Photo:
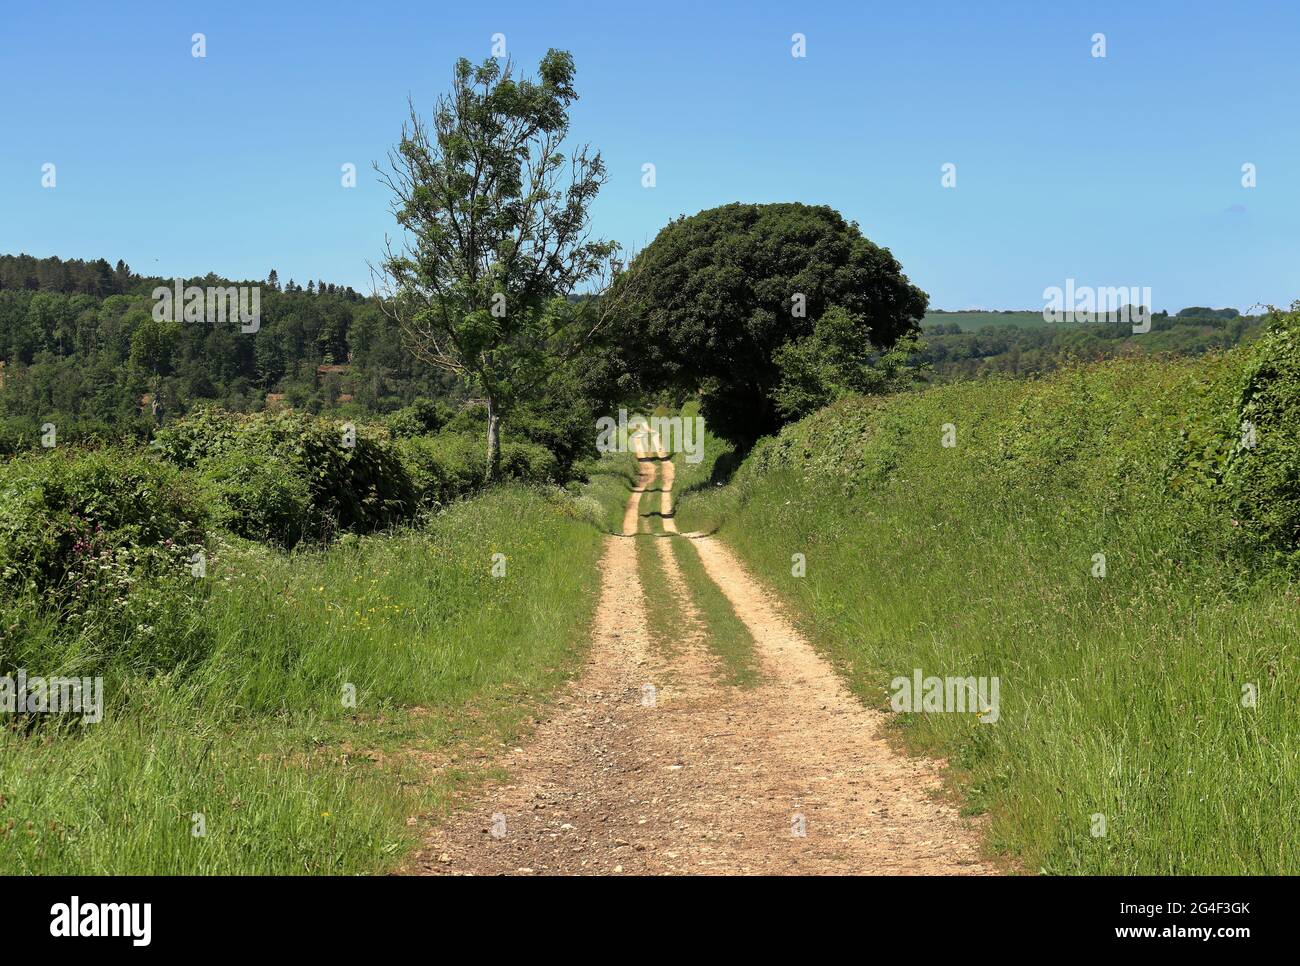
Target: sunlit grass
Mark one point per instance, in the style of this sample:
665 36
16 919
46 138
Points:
257 742
1122 695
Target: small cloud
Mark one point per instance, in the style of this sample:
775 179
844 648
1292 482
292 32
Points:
1236 209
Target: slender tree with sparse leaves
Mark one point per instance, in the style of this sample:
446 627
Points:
496 234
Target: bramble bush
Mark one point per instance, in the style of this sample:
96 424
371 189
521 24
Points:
61 509
96 549
285 477
423 417
446 467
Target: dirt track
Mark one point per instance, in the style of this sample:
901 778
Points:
705 778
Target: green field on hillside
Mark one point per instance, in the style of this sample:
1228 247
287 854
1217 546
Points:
974 321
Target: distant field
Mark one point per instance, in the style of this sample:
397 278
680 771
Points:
971 321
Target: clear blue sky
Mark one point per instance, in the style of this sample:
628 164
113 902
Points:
1117 171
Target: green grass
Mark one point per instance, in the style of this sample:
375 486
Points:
253 734
696 477
663 605
610 482
1120 695
725 633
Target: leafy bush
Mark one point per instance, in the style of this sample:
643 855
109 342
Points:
352 474
15 438
446 467
529 463
258 499
1263 467
422 418
204 433
564 425
442 468
64 513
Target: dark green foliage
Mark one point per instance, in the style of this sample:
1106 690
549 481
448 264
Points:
562 420
206 433
65 514
71 275
449 466
442 468
422 418
834 361
528 462
259 499
84 357
287 477
716 309
1263 467
259 468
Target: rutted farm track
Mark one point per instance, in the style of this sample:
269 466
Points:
699 776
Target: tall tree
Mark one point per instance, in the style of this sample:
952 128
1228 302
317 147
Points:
766 311
496 233
152 346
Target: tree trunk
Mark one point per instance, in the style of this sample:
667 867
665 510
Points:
493 442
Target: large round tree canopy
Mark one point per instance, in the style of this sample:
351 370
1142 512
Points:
720 295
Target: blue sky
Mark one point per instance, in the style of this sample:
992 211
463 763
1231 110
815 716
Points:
1117 171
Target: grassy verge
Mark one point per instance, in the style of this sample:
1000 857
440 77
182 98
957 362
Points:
725 632
702 476
1125 742
610 482
254 741
662 604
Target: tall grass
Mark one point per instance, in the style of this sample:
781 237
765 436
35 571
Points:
254 739
1123 744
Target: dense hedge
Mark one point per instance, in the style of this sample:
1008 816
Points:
1263 467
446 467
66 514
285 477
75 518
1214 441
1130 437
